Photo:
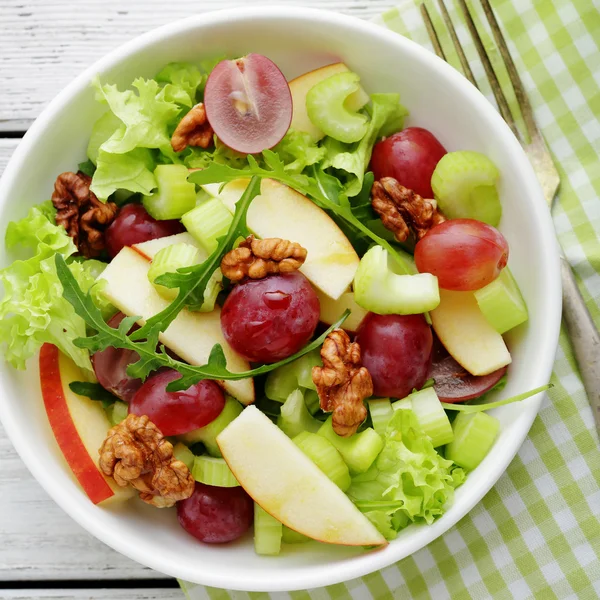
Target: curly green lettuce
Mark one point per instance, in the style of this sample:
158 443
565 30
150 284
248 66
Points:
409 482
33 310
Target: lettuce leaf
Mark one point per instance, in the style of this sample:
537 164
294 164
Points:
182 81
350 161
33 309
297 151
409 482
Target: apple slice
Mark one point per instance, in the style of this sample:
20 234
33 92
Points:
467 335
301 86
332 309
151 248
79 426
289 486
191 335
282 212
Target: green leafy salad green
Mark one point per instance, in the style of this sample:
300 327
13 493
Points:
346 210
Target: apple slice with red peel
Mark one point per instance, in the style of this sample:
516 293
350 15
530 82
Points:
79 425
454 383
248 103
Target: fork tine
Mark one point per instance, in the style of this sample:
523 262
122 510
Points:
457 45
433 36
517 84
489 71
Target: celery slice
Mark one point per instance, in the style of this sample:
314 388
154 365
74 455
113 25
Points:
474 435
289 536
208 434
327 109
312 401
268 532
175 195
378 289
464 184
358 451
501 302
168 260
208 222
184 454
322 452
430 415
298 374
381 412
212 291
213 471
117 412
294 417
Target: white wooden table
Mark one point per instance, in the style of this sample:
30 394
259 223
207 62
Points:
43 45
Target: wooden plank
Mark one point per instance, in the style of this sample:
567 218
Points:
44 44
7 147
40 542
93 594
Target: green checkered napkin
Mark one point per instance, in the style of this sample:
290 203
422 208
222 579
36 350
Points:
537 532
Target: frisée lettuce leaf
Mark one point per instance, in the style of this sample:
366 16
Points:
409 481
33 309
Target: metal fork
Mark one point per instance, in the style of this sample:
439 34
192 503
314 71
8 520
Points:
585 338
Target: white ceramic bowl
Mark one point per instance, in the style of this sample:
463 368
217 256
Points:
297 39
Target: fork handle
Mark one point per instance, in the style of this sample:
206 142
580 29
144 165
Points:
584 336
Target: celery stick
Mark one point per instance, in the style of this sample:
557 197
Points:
378 289
208 434
358 451
267 532
501 302
175 195
184 454
322 452
312 401
298 374
289 536
208 222
117 412
168 260
213 471
474 435
381 412
404 404
294 417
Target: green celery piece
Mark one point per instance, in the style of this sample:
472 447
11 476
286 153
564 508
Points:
323 453
268 532
464 184
208 222
175 195
474 436
208 434
168 260
431 416
501 302
184 454
358 451
326 108
289 536
294 417
378 289
283 381
213 471
381 412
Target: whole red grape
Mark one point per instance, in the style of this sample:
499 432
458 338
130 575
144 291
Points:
175 413
267 320
133 225
409 156
464 254
396 349
216 515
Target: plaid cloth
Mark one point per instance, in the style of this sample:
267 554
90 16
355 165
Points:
537 532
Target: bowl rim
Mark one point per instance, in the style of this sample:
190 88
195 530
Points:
371 561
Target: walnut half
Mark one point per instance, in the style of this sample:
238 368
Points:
342 383
136 453
193 130
79 211
402 210
256 259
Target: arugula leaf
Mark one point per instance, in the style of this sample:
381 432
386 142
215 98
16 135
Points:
309 186
150 358
94 391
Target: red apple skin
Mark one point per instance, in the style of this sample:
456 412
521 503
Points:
65 432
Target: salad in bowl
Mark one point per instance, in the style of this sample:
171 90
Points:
267 303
